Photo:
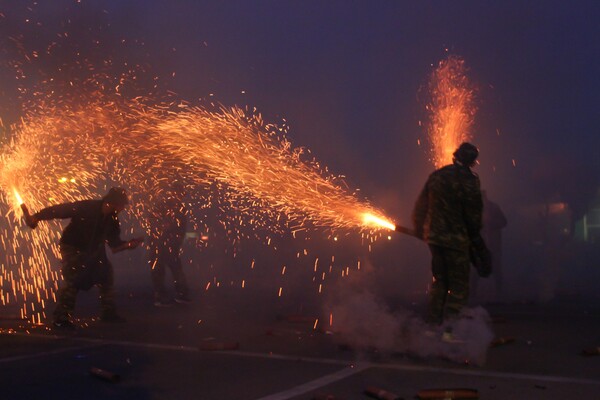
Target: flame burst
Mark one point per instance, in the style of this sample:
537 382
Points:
452 109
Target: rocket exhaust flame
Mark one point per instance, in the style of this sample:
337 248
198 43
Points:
18 196
451 110
377 222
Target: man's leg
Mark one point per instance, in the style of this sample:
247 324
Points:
179 279
439 285
458 281
65 305
67 293
157 272
108 307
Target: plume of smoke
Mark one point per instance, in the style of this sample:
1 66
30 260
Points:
471 337
363 322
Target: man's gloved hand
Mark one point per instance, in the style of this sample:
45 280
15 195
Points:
30 220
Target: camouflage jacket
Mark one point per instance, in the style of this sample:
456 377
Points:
89 228
448 211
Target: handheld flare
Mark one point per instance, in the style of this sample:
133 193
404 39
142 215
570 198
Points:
377 222
28 218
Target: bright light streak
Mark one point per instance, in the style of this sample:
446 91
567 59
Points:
377 222
18 196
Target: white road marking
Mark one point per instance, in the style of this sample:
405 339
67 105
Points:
332 361
46 353
317 383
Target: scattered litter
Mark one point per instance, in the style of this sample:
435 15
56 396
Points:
381 394
216 346
105 375
295 318
448 394
594 351
325 397
501 341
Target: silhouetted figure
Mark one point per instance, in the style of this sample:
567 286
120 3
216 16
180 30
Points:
83 251
447 215
168 227
494 221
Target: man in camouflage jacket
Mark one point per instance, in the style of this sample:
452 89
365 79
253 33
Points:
447 215
83 253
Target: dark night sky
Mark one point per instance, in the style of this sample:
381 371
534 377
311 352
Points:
346 76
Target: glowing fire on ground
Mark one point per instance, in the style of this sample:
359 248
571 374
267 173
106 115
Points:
452 109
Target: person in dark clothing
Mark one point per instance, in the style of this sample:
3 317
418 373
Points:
93 224
447 215
493 222
167 233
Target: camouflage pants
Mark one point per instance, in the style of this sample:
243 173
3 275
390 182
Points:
74 261
161 258
450 287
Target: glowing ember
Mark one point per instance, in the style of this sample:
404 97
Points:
451 110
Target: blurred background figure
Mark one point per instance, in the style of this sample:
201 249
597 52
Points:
494 221
168 224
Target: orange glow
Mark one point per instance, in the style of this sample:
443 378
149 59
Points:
76 136
451 110
263 180
377 222
18 196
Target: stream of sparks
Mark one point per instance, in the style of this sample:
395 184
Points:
66 154
451 110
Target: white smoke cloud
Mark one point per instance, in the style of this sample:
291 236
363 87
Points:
364 322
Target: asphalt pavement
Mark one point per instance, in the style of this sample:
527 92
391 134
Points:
243 344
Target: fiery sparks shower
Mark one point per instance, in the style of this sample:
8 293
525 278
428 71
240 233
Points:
66 154
451 110
89 117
